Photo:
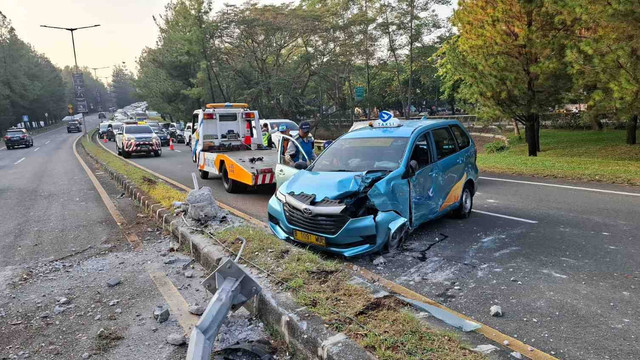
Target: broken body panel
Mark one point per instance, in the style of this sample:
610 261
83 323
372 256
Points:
357 212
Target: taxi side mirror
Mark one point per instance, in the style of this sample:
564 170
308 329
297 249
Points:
411 170
301 165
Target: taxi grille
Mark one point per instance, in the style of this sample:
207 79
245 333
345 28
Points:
322 224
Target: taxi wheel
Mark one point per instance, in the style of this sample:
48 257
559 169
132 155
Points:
396 239
157 153
230 185
204 174
466 204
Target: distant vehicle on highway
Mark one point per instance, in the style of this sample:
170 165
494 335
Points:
73 126
102 115
113 129
162 135
189 129
373 186
17 137
133 138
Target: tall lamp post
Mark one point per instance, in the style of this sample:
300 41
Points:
75 58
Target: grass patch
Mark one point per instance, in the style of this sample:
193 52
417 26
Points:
157 189
384 326
571 154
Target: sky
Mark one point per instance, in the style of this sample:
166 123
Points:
126 27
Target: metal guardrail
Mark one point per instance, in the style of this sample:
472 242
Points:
232 287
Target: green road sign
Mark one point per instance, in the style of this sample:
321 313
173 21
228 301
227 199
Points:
359 92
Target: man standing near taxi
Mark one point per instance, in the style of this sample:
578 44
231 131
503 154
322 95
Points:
305 140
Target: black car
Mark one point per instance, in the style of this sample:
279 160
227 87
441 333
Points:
17 137
74 126
102 115
164 137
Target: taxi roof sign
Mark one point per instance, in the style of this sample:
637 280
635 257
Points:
385 120
227 106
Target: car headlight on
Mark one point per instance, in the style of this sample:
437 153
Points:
280 196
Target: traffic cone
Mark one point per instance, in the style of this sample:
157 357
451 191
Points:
104 138
170 143
247 134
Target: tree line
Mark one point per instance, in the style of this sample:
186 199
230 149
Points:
318 60
31 85
323 59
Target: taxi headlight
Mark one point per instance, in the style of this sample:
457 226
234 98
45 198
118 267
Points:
280 196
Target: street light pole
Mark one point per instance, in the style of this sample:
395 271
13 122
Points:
75 58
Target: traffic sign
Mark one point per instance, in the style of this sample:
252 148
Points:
25 118
81 105
359 93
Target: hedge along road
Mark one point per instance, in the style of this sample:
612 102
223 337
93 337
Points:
561 258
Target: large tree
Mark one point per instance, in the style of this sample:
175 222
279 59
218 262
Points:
509 58
606 56
123 86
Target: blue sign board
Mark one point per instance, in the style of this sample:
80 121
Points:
25 118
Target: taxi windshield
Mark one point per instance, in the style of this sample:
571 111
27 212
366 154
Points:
362 154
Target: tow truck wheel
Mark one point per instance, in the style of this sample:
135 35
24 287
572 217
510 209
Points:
230 185
463 210
204 174
157 153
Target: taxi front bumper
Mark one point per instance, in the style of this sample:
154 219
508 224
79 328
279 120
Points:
358 236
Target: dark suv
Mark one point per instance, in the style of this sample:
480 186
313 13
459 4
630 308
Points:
17 137
73 126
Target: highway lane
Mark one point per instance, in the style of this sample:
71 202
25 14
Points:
566 256
49 206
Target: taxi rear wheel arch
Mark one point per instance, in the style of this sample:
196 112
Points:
465 206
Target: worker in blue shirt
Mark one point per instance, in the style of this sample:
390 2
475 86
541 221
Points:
305 140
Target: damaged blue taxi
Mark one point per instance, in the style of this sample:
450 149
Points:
370 188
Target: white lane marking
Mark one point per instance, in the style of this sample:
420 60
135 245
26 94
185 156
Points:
177 150
48 141
505 216
19 161
561 186
36 149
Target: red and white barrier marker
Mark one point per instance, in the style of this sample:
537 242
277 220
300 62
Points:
170 143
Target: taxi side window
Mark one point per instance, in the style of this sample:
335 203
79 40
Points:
461 137
445 143
421 152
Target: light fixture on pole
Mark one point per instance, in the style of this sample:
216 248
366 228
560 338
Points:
78 80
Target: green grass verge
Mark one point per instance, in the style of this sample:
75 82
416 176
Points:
571 154
384 326
158 190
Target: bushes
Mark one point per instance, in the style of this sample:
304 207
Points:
495 147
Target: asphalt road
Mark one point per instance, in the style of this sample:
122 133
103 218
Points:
49 205
561 258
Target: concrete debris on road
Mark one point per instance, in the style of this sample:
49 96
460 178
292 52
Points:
113 302
86 355
516 355
203 207
58 309
379 261
196 309
63 300
113 282
176 339
161 314
485 349
188 274
495 310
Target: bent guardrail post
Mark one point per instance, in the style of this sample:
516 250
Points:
234 288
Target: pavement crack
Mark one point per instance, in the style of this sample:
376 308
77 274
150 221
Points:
423 253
